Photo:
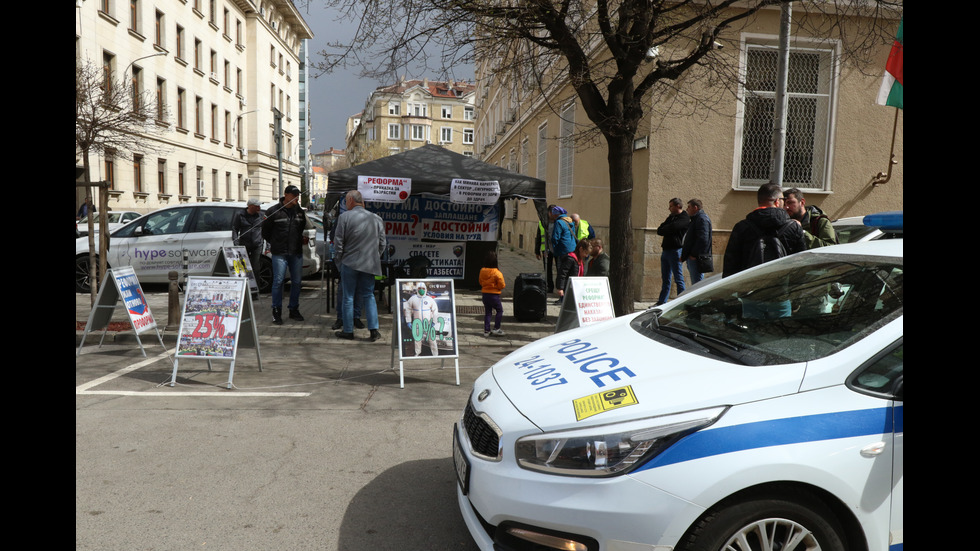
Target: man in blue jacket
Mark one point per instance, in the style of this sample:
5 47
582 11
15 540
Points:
697 241
563 234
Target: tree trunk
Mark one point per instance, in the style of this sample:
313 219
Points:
92 278
620 158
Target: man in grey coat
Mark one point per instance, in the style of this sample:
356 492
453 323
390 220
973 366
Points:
359 240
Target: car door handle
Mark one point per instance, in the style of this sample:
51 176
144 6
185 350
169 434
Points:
873 450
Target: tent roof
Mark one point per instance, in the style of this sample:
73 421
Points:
432 169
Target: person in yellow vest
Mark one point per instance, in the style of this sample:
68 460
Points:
582 228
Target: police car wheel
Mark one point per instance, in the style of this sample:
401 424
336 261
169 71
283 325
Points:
804 524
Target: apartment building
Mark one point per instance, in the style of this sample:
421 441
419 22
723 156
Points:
838 140
225 70
410 114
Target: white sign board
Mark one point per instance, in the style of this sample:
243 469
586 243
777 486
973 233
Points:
384 189
587 301
474 192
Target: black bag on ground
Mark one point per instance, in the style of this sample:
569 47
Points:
530 297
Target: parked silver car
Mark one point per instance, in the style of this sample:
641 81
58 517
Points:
155 244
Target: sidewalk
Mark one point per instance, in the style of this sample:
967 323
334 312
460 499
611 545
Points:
317 328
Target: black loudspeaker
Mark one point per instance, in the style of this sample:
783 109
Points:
530 297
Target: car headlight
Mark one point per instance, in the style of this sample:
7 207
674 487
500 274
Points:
608 450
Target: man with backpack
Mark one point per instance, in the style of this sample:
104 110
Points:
766 233
817 229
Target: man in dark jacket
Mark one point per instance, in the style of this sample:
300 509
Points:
697 240
672 230
765 234
284 230
246 231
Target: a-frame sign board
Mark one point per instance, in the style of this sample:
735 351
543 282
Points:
218 317
126 287
420 319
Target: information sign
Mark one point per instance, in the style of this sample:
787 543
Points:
125 287
425 317
588 300
212 321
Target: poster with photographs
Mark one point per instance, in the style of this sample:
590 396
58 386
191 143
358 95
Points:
239 264
211 319
426 318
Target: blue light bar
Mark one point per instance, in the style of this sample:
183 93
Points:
891 220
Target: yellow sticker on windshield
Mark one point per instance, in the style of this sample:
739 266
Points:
595 404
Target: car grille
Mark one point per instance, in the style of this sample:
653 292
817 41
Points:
483 435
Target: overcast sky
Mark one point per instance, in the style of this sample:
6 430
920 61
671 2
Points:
338 95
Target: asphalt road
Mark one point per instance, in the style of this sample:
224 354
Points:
310 453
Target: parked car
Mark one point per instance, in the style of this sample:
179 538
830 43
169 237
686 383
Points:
322 239
763 411
155 243
117 219
883 225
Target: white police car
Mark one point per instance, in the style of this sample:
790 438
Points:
761 412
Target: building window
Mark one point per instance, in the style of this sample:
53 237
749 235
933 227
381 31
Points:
110 170
810 103
214 122
418 109
197 55
468 136
418 132
135 87
445 135
198 114
394 108
447 111
181 170
162 176
134 15
161 98
394 131
158 29
469 114
137 173
566 151
227 127
180 42
180 108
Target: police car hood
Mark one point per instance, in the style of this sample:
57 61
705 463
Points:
609 372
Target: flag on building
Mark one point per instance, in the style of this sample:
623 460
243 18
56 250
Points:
891 86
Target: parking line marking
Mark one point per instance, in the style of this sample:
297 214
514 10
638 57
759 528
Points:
86 388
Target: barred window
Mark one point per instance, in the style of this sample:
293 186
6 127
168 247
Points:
810 100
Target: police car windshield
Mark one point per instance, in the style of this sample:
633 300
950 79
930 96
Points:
805 307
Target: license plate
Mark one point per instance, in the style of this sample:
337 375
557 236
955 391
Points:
461 463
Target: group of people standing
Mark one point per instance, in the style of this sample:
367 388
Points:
781 224
568 246
686 240
358 238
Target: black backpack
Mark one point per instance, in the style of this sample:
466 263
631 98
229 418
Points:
765 246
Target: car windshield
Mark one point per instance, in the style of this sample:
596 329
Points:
805 307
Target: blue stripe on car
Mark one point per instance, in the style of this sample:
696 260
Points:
777 432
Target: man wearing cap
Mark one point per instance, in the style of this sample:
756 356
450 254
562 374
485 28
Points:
358 241
246 231
284 230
